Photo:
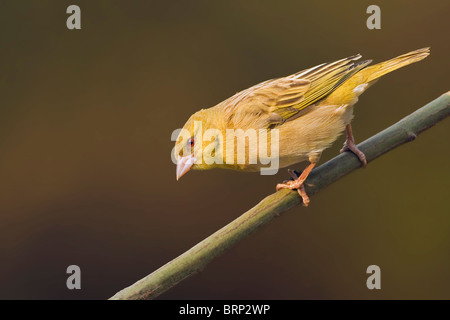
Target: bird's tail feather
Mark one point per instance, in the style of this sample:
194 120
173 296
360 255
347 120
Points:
380 69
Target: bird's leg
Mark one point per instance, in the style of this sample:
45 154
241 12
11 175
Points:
297 183
350 145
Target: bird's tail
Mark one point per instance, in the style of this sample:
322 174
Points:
380 69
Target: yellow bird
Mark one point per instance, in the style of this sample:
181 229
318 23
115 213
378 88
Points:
310 109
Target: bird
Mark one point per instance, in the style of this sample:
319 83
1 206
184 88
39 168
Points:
310 109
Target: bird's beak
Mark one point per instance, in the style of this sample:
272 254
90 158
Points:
184 164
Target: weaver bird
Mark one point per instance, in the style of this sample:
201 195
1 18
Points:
310 109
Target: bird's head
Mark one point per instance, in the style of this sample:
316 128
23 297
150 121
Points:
199 143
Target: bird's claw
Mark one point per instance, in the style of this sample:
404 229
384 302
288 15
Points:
344 148
354 149
295 184
291 184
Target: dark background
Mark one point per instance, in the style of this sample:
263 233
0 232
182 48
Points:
86 176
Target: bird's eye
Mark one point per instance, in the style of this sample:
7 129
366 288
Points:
190 142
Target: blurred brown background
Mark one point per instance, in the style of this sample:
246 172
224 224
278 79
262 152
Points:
86 176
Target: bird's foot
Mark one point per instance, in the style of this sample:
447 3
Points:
297 183
350 145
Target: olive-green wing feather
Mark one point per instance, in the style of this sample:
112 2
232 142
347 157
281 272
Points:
278 100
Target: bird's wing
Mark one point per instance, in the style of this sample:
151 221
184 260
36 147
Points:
278 100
